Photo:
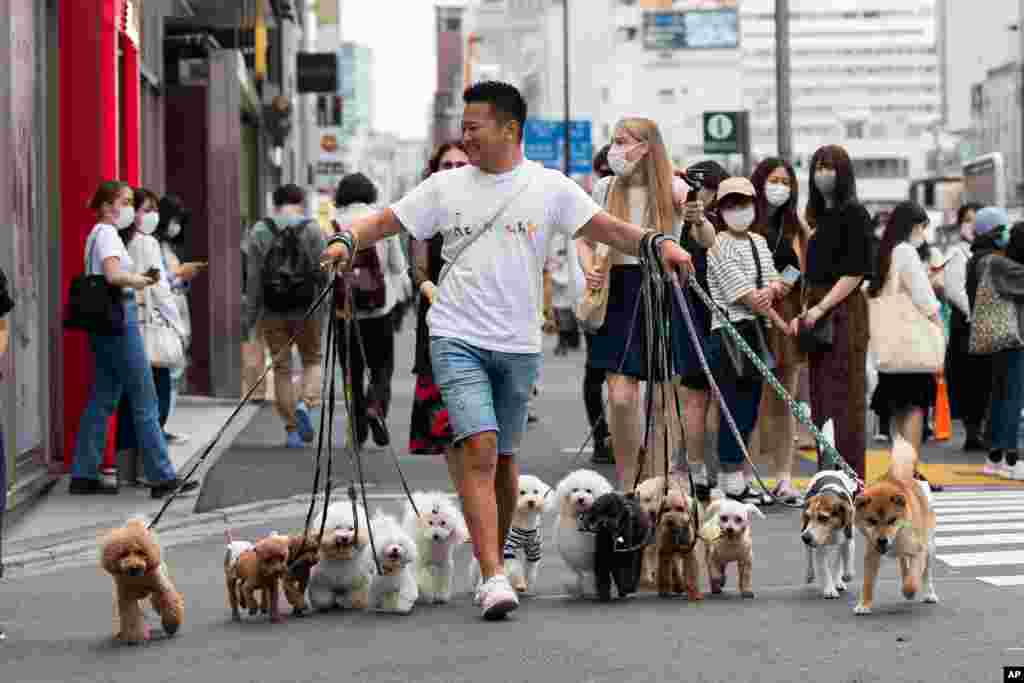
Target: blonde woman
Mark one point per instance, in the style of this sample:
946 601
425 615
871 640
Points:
643 191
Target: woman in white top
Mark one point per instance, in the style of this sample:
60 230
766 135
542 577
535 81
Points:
353 198
146 254
644 191
906 396
122 367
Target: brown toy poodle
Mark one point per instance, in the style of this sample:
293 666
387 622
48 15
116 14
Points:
132 556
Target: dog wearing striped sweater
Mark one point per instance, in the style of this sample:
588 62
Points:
523 547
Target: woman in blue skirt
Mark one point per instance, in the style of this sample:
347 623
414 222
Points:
643 190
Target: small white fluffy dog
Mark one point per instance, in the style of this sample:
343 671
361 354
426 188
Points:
438 530
523 549
342 575
394 589
574 495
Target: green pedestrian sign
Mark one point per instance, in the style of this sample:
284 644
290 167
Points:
722 132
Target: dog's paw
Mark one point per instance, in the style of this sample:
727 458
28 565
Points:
747 594
810 576
847 578
298 611
253 611
861 608
830 593
930 598
841 586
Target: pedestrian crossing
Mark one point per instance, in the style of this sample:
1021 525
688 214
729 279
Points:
981 533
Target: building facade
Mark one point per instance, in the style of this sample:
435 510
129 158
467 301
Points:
449 25
998 124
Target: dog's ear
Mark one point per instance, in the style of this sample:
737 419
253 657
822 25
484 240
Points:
899 501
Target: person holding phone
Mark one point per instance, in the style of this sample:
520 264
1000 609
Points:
777 220
122 368
147 256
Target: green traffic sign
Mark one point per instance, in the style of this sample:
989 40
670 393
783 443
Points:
721 132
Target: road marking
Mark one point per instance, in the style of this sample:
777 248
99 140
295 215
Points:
988 516
993 558
978 503
977 495
992 508
574 451
1003 581
985 539
960 528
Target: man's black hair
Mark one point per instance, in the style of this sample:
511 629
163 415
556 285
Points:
508 103
289 194
355 188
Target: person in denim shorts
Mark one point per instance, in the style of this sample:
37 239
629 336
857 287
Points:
497 216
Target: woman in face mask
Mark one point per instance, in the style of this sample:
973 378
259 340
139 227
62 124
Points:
743 285
645 191
786 234
157 304
968 391
906 397
838 260
122 369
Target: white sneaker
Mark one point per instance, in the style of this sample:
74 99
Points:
496 597
1016 472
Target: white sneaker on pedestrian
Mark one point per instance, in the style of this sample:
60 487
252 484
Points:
496 597
1016 472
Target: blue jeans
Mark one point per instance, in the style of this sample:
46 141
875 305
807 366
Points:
485 391
122 369
126 438
1007 398
742 398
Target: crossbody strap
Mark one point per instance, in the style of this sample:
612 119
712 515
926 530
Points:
479 233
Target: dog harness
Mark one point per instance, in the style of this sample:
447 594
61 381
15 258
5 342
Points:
527 540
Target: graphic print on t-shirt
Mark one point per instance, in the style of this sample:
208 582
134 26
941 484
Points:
492 295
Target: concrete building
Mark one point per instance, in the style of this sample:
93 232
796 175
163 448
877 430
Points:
446 113
355 64
998 124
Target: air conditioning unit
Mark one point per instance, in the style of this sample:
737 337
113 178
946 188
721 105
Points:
193 71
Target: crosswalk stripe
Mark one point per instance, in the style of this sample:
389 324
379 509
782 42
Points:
981 539
993 508
960 528
978 502
1003 581
979 495
991 558
984 518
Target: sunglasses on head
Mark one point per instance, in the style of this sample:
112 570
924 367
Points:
449 165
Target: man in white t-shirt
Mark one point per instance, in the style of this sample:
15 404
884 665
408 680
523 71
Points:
497 216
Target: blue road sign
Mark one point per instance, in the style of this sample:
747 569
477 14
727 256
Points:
545 143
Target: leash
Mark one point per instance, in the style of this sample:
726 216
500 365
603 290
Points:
798 410
287 349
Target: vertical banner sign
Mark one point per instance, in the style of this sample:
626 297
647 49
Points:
544 142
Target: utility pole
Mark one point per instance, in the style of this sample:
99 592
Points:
565 48
783 104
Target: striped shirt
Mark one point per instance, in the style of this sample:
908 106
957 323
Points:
732 274
527 540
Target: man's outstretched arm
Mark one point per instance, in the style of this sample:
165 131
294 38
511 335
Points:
365 231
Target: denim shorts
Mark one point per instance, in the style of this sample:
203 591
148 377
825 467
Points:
484 391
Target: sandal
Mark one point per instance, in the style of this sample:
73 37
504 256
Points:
787 495
748 495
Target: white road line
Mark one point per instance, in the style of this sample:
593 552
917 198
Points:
1004 581
978 504
988 516
988 509
574 451
993 558
982 539
980 495
960 528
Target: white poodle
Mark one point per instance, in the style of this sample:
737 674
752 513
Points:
437 531
523 547
394 589
341 577
573 496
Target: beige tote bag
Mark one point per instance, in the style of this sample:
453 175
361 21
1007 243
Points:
593 306
903 339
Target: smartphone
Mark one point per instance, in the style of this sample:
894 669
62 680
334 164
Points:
790 275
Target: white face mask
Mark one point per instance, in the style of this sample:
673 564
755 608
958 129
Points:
916 240
825 181
126 217
173 229
739 220
617 160
149 223
776 194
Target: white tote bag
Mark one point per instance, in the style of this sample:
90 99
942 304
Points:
903 339
164 346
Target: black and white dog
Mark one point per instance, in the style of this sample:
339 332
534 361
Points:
622 533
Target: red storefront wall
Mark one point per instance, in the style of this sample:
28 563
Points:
99 140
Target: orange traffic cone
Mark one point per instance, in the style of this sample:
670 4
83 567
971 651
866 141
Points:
943 420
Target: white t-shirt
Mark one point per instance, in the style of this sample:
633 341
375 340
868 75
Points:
492 297
105 242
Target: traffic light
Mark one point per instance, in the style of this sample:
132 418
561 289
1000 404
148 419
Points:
278 120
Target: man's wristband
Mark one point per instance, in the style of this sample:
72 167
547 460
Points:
346 238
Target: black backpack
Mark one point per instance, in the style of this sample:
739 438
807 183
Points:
6 302
292 278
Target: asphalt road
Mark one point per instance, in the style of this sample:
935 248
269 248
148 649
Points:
59 627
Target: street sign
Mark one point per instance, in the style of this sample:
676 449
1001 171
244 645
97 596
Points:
724 132
544 142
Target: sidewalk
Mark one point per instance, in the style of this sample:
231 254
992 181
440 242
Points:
58 518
